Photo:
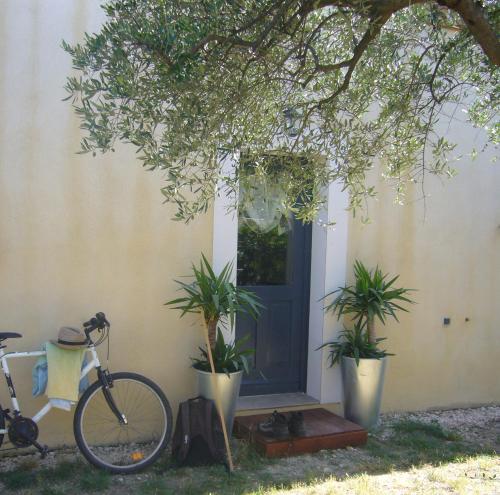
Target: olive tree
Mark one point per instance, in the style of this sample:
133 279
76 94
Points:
349 83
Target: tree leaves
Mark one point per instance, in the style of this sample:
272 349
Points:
190 83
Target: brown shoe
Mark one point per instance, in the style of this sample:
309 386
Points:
275 426
296 424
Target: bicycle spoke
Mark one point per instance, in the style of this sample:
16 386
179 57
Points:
115 444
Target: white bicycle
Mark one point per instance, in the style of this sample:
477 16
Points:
122 422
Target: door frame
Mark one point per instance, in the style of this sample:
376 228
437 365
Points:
328 271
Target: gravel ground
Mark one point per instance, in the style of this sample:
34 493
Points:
378 468
13 459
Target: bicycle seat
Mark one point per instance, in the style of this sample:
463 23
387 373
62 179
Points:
9 335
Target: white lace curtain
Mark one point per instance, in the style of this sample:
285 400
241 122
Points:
262 204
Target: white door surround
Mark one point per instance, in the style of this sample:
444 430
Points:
328 271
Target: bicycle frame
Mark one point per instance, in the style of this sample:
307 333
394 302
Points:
5 356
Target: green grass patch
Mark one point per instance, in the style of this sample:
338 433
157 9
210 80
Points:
428 442
50 490
433 429
24 476
93 480
18 479
415 443
385 458
155 486
163 465
64 471
248 458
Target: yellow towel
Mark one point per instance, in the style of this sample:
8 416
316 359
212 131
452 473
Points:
64 369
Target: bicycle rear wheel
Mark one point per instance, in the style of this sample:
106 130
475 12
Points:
123 448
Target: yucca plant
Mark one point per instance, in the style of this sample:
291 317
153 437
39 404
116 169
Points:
215 297
372 296
228 358
354 344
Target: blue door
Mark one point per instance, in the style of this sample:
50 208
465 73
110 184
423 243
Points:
274 260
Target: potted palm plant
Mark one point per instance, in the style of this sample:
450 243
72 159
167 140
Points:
372 297
218 301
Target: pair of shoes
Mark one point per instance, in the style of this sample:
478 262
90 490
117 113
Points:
278 426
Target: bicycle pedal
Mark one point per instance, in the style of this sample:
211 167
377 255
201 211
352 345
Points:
44 451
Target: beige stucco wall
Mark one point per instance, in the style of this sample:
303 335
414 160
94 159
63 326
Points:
80 234
448 249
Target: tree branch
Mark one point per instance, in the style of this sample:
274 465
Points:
370 34
471 11
474 16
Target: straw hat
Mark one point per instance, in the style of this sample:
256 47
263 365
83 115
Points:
70 338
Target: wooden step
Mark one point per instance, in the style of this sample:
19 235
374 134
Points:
324 430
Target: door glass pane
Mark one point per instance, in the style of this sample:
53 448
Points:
262 256
264 235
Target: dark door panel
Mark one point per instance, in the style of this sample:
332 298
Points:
276 266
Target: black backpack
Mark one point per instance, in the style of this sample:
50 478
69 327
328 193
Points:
198 439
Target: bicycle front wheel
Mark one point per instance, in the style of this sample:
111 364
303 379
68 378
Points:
116 446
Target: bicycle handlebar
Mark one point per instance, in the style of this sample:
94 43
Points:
98 322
